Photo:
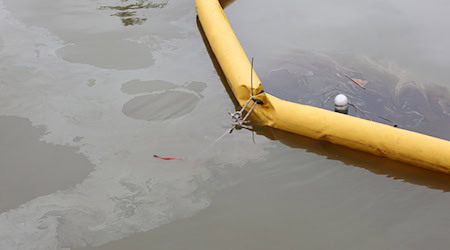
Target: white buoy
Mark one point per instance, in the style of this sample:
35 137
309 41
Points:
341 104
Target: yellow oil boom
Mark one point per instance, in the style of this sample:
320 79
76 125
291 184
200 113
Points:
352 132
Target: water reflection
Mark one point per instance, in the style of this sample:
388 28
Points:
225 3
128 10
375 164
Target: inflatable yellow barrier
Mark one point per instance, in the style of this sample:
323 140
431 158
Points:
375 138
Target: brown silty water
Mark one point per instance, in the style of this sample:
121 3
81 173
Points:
110 83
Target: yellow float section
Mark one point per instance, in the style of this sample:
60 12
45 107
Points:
375 138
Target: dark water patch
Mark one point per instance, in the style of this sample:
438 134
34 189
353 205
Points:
69 20
91 82
314 79
196 86
108 54
134 87
31 168
91 38
161 106
127 11
77 138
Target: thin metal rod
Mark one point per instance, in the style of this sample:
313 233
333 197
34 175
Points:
351 79
249 112
386 119
251 78
245 105
360 110
328 98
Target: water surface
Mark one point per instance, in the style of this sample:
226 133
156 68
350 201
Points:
124 80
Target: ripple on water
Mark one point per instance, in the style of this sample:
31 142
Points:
128 10
161 106
162 100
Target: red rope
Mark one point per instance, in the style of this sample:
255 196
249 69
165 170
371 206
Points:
167 158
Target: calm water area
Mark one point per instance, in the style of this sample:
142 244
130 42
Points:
91 90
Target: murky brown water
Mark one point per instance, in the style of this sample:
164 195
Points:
124 80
